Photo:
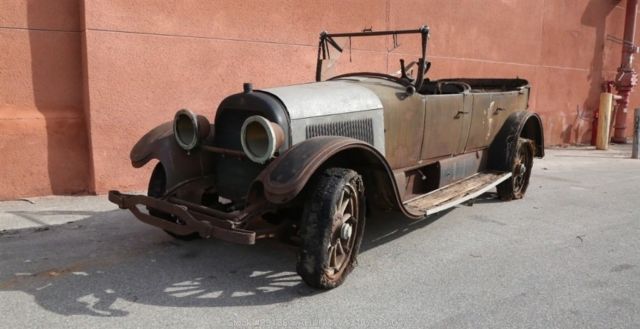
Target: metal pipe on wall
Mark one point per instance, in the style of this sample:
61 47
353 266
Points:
636 134
627 78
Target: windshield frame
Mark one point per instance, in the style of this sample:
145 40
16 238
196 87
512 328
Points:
326 40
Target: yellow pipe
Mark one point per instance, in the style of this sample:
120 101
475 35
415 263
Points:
604 119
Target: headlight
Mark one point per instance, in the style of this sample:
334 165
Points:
190 129
260 138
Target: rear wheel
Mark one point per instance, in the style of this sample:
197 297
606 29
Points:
521 165
332 227
157 188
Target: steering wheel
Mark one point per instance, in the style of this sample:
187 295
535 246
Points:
409 69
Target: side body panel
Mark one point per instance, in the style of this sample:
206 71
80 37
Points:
445 123
481 121
404 120
490 111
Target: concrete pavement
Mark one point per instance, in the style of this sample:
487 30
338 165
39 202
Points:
567 256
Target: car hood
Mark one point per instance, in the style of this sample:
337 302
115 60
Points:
325 98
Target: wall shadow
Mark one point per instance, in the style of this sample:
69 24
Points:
56 75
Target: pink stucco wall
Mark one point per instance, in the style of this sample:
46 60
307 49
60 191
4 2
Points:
83 80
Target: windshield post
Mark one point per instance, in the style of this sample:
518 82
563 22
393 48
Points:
323 51
422 62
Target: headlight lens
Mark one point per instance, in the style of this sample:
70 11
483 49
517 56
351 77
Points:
260 138
189 129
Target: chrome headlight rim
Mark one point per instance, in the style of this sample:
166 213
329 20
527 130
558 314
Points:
189 129
274 134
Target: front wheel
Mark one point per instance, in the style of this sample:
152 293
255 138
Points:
521 165
157 188
331 228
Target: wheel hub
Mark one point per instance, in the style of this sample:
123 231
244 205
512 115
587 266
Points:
345 231
522 170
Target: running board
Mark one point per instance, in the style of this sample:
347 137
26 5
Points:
455 194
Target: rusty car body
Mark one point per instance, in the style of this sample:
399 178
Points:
310 160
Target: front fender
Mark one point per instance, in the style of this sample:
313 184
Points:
160 144
148 146
286 177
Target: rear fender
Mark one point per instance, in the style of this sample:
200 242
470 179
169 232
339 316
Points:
519 124
160 144
286 177
532 129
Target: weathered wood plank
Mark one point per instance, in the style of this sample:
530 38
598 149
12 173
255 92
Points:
454 191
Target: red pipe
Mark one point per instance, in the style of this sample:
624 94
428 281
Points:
627 78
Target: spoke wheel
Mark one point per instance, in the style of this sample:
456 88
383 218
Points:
522 163
331 228
342 237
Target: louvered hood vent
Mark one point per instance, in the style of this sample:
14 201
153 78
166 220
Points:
359 129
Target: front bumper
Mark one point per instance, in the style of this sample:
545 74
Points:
194 218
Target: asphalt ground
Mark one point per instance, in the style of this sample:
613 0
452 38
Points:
566 256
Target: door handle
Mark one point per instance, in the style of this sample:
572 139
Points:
460 114
498 110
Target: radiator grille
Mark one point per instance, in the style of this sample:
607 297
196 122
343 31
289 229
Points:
358 129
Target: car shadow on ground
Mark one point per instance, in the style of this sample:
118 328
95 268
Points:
487 197
104 264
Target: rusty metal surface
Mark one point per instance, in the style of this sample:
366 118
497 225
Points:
287 176
462 166
482 121
445 119
403 121
521 123
132 202
443 128
627 77
180 166
407 116
207 225
504 104
493 101
421 128
143 150
490 110
225 152
466 122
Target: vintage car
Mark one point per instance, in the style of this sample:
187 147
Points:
311 161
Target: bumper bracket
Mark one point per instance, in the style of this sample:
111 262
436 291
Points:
187 221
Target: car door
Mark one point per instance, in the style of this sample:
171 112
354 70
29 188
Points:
404 128
447 120
403 122
490 110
